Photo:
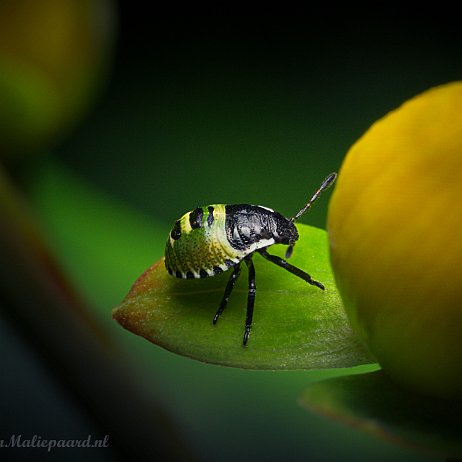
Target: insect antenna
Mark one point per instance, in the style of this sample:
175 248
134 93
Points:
324 185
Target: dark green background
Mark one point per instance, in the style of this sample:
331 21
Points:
230 110
226 109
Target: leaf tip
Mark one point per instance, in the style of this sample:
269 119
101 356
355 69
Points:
145 281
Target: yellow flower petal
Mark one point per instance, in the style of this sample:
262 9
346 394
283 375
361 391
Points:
394 228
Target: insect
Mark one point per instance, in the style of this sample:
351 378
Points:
216 238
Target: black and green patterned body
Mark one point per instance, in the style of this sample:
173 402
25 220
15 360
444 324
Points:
197 245
210 240
214 238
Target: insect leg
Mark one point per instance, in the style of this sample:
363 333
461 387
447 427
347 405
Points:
229 288
292 269
250 299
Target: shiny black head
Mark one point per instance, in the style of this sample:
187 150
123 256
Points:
284 230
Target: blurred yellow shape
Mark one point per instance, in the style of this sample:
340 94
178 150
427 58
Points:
394 227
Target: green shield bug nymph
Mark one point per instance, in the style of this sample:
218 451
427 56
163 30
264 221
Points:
212 239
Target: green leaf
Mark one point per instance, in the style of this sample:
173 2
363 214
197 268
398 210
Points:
374 404
295 325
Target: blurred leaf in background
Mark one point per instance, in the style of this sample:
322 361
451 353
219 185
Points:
377 406
52 58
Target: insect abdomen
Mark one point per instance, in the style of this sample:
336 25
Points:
197 246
